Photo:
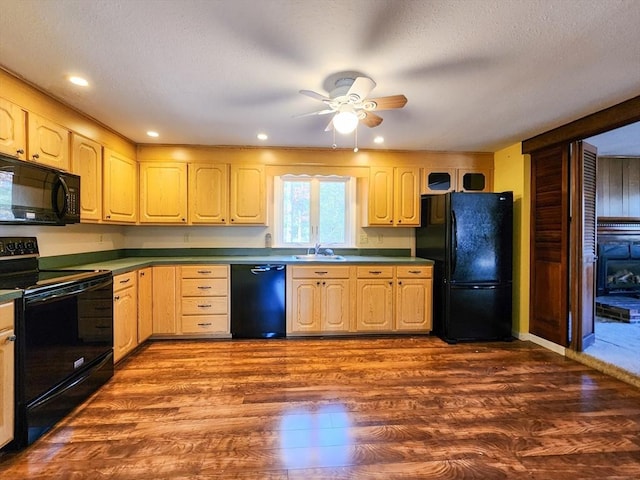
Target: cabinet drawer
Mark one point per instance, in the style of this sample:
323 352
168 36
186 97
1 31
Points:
375 271
125 280
6 315
204 305
416 271
205 324
206 287
320 271
205 271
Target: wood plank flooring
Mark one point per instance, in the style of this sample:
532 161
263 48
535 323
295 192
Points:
355 408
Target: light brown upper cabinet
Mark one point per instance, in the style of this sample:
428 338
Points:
120 188
443 180
393 197
86 161
163 192
13 129
208 193
48 143
247 195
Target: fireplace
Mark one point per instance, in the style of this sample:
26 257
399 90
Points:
618 268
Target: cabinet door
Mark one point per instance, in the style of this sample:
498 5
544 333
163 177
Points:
125 322
305 306
86 161
208 193
48 143
13 128
7 351
334 311
247 195
164 300
145 304
120 188
413 304
406 204
374 305
475 180
439 180
163 192
380 210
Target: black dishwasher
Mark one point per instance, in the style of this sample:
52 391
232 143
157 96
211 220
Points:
258 301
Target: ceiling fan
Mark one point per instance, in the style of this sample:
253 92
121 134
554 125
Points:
348 102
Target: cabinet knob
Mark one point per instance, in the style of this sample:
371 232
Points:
117 297
35 156
399 221
20 151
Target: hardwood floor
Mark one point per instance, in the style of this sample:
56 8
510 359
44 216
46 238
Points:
383 408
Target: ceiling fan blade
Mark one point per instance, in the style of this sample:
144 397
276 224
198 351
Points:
319 112
387 103
371 120
317 96
330 125
361 87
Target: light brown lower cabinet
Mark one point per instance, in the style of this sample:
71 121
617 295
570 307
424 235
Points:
125 314
320 299
7 349
145 304
191 301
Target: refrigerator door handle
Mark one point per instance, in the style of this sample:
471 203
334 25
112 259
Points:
454 242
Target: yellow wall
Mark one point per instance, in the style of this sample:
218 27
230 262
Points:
512 171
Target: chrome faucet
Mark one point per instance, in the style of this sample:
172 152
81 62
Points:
315 248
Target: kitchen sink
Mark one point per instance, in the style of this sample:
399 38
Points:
312 257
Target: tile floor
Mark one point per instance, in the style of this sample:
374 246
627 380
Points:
617 343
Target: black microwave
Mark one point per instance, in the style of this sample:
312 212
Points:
35 194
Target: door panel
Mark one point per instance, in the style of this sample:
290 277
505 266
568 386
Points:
549 308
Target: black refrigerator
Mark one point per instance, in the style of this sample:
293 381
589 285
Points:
470 238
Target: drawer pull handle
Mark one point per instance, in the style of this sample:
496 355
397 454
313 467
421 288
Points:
206 287
204 271
415 271
375 272
321 272
125 280
204 324
208 305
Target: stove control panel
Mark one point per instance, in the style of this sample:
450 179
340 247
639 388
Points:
18 246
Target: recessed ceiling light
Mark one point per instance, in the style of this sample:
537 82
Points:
263 136
378 139
153 134
81 82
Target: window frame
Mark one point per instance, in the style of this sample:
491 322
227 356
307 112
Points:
350 210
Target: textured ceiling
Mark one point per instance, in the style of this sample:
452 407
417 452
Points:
478 74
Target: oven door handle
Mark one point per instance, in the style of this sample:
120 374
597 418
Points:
39 300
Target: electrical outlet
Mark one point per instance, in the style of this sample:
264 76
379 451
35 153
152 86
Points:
363 238
186 238
380 238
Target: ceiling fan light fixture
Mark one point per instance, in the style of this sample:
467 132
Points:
345 121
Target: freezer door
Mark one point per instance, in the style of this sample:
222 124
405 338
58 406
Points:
480 238
478 313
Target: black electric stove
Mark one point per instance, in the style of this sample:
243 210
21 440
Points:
64 337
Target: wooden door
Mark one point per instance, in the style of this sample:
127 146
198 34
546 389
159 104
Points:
407 197
48 143
120 188
374 311
584 244
208 193
305 305
380 208
13 129
549 305
334 311
86 161
247 195
145 304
